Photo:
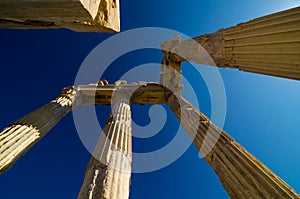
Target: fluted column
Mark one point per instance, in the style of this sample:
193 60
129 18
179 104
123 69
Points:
21 135
108 173
267 45
241 174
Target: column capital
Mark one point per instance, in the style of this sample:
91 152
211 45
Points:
123 91
69 96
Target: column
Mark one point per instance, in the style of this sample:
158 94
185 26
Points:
21 135
77 15
108 173
267 45
240 173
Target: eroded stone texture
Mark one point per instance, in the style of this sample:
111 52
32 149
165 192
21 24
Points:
266 45
20 136
108 173
171 75
241 174
77 15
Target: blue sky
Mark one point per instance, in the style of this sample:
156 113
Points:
262 112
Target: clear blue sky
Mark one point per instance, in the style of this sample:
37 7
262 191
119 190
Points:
262 112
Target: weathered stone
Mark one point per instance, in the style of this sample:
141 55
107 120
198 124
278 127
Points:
77 15
171 75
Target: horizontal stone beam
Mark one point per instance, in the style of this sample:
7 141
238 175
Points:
77 15
267 45
142 93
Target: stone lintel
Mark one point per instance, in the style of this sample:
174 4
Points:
144 93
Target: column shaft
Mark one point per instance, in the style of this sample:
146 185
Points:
267 45
108 173
241 174
20 136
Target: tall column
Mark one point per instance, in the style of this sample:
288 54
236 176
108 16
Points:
241 174
21 135
267 45
78 15
108 173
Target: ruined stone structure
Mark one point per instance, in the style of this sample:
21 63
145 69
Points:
77 15
108 173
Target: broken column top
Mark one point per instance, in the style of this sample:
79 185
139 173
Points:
77 15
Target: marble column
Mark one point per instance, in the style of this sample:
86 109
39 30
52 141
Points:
240 173
109 171
267 45
20 136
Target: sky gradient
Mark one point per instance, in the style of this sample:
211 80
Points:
262 111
